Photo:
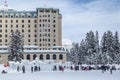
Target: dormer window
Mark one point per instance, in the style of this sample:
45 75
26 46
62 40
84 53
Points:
0 16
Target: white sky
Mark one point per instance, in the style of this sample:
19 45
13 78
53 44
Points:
79 16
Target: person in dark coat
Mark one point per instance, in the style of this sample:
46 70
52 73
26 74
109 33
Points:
23 69
32 69
39 68
18 68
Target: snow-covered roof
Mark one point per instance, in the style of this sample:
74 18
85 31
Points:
25 46
30 46
57 46
3 51
44 51
36 51
3 47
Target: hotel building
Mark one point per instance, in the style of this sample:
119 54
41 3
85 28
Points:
41 30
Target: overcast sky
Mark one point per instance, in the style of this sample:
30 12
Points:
79 16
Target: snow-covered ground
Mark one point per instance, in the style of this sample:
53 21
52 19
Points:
58 75
81 75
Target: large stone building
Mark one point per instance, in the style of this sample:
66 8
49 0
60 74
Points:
40 28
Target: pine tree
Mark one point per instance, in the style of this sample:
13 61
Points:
91 45
15 46
116 47
107 47
74 53
83 52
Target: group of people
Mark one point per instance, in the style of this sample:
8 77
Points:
23 69
105 68
35 68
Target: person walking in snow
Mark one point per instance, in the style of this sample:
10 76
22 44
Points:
18 68
23 69
32 69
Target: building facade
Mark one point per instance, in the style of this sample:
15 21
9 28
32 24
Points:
41 28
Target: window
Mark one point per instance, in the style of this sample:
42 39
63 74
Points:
0 35
5 30
35 26
40 20
35 30
49 44
48 20
47 57
16 21
28 40
6 21
48 30
5 40
48 15
40 25
16 26
54 30
35 35
35 21
11 21
29 30
28 26
28 35
22 26
0 26
22 31
48 35
0 40
60 56
0 21
0 30
40 44
22 21
0 16
54 40
28 21
54 21
28 57
34 56
35 40
48 40
6 35
41 57
53 26
11 26
6 26
54 56
11 16
28 16
6 16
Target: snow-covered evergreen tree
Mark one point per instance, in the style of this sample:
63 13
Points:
107 47
74 53
83 52
15 46
91 47
97 48
116 47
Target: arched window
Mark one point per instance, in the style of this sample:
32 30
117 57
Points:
34 56
54 56
60 56
47 57
41 57
28 57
